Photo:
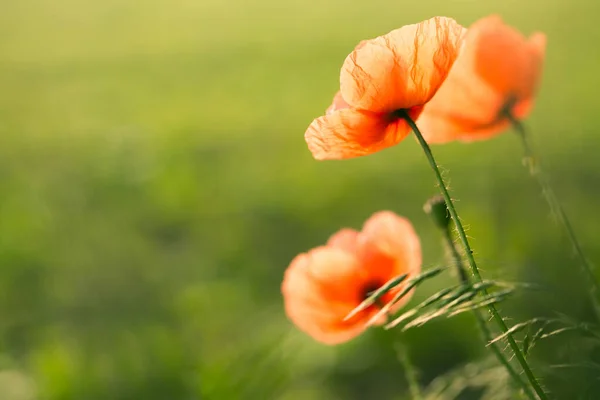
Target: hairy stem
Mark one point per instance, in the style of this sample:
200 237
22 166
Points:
536 172
485 330
471 260
457 259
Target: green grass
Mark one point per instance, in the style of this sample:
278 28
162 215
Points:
154 185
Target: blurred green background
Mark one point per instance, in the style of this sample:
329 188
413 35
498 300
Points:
155 184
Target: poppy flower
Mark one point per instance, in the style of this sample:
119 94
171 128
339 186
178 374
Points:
321 287
497 70
382 80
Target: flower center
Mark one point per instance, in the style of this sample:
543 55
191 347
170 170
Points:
401 113
369 288
405 113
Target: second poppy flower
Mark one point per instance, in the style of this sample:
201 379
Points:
321 287
497 71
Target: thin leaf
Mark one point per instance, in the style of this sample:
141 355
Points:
456 294
484 285
409 314
377 294
516 328
588 364
409 286
527 341
560 330
483 302
438 313
537 336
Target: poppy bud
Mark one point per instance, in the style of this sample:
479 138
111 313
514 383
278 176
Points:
436 208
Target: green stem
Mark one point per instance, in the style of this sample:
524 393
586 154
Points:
471 260
462 273
409 371
483 327
536 172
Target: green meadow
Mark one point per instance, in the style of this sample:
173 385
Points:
155 184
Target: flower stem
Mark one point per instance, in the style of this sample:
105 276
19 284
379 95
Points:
471 260
536 172
409 371
464 278
485 330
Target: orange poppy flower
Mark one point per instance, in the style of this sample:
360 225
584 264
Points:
399 71
321 287
498 69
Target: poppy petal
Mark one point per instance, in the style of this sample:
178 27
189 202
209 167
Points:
537 42
338 104
345 239
338 272
327 326
299 285
319 290
491 41
403 68
483 82
328 273
387 236
321 287
348 133
327 331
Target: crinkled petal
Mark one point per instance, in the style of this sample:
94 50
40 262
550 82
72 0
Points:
403 68
349 133
497 68
338 104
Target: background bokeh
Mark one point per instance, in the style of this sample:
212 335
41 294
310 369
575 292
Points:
155 184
